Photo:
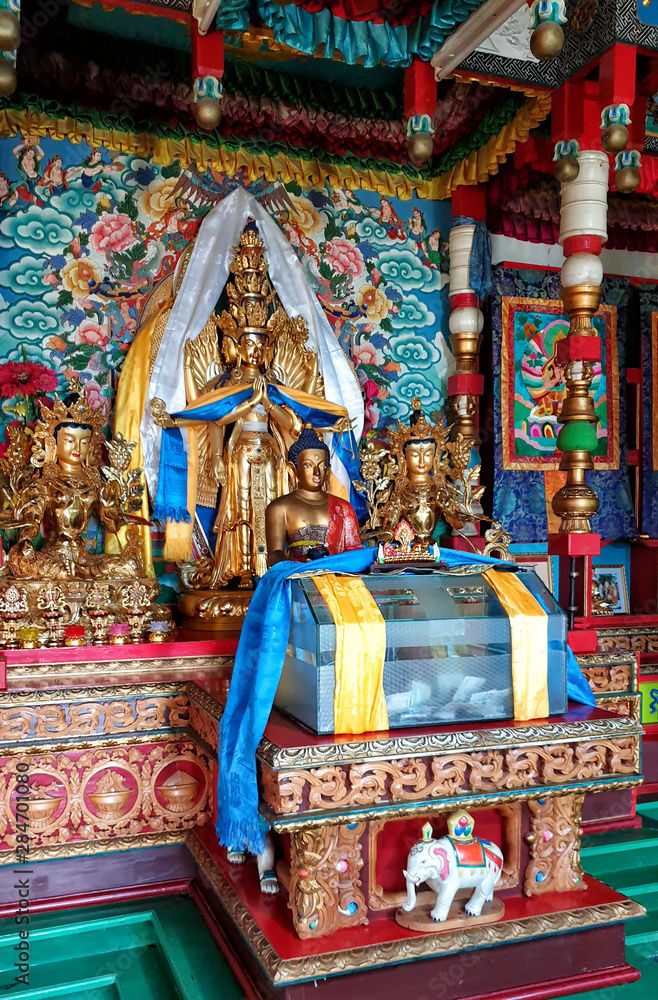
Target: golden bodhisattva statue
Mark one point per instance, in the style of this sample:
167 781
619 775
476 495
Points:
420 486
249 396
50 498
414 482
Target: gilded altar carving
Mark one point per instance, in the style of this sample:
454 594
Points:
606 677
374 955
440 742
203 724
416 779
105 716
629 705
554 842
642 639
324 893
111 672
84 796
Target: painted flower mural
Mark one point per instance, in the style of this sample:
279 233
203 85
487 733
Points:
79 261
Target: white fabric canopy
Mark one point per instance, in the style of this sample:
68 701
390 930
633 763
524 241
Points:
206 275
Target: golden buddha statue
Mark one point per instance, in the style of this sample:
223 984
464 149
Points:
248 398
417 496
56 492
309 522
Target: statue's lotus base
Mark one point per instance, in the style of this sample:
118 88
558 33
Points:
420 919
96 604
214 610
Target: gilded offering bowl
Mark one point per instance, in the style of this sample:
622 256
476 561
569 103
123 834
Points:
111 805
179 791
41 809
119 640
75 641
157 636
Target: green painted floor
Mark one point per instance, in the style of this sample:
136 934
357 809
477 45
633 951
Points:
628 861
151 950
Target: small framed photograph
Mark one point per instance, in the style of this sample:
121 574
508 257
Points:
609 590
541 563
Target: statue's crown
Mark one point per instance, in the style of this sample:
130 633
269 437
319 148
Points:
78 411
72 411
418 429
250 292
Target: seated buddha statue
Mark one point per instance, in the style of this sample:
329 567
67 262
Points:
309 523
420 483
58 492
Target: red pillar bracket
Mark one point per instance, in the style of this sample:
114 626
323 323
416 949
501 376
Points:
207 53
419 89
617 75
470 200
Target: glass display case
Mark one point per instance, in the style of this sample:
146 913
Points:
448 651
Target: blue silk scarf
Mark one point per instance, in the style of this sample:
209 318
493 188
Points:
256 673
171 497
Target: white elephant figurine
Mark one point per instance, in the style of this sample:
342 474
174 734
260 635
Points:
458 861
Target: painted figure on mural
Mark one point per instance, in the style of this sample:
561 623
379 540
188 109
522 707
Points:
416 226
8 197
390 220
54 177
435 250
28 155
309 523
92 168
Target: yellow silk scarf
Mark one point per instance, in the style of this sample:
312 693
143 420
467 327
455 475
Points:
130 404
359 703
529 627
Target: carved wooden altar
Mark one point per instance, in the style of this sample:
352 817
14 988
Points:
343 809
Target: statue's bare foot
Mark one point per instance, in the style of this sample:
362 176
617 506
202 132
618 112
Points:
269 882
246 583
235 857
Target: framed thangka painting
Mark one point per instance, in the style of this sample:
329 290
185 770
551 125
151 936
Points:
533 384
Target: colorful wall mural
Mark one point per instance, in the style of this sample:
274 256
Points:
86 236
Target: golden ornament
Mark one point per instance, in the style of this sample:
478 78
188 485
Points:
7 78
614 138
547 40
10 31
567 169
420 147
627 179
208 113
